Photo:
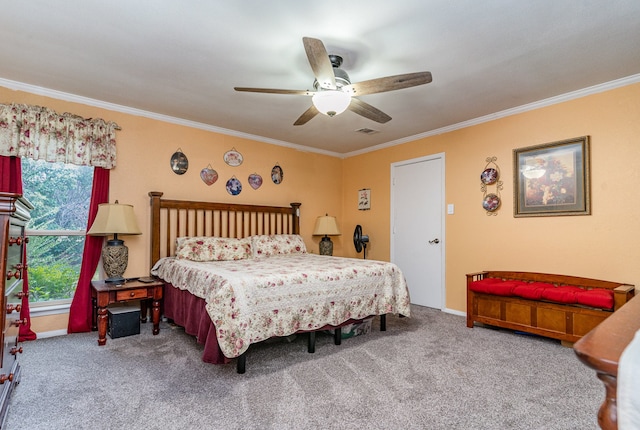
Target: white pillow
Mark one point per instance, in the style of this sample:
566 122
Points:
213 248
277 244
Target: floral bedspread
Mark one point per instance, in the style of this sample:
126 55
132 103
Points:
254 299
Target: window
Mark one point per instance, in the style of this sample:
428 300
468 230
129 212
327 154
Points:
60 194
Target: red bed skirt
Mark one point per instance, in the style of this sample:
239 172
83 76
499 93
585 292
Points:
188 311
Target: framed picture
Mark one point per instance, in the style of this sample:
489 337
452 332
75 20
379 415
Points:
552 179
364 199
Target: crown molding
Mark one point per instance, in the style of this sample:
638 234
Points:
629 80
59 95
33 89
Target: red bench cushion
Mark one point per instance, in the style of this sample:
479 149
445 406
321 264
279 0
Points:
565 294
596 298
494 286
532 291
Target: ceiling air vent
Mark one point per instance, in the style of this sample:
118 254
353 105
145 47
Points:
366 131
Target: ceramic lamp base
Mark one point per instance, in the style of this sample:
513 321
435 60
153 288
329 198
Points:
115 257
326 246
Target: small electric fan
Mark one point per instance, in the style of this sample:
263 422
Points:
360 241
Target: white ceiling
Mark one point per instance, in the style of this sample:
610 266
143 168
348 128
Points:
181 59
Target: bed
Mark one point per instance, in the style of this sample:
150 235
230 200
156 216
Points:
239 274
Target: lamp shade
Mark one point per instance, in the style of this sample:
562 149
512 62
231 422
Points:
326 226
114 219
331 102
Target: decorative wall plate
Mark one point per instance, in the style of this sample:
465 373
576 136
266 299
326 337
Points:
255 181
208 175
277 175
491 185
491 202
179 162
489 176
234 187
233 158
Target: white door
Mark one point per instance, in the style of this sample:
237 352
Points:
417 227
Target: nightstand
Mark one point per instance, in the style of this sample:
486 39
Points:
104 294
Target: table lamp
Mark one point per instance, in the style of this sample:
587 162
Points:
326 226
114 219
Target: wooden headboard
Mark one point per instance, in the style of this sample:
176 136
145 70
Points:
171 219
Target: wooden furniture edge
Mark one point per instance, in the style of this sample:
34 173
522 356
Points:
622 294
601 348
14 217
553 278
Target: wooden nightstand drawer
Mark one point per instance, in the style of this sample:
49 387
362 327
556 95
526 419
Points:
104 294
138 293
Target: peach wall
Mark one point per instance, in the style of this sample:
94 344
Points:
603 245
145 147
50 323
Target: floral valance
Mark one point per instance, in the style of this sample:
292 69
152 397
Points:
42 134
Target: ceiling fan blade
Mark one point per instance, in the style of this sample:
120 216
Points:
368 111
320 63
389 83
307 115
275 91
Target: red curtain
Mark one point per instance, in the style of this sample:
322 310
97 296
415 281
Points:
10 175
80 313
11 182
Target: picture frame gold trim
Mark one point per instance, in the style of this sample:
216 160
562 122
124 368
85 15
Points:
552 179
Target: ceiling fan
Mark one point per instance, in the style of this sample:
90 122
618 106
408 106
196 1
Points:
334 92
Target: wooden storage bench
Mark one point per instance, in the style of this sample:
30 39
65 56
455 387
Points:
556 306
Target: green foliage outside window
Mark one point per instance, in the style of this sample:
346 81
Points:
60 194
54 282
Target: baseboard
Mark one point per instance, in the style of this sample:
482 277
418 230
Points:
454 312
52 333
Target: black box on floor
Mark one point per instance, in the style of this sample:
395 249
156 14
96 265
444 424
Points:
123 321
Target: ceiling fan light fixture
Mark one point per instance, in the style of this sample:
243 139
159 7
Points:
331 102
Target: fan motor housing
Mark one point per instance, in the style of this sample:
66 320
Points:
360 240
342 77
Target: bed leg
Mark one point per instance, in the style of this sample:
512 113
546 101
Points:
383 322
242 363
337 336
312 342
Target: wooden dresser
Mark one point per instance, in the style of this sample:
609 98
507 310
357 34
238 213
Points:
601 349
14 215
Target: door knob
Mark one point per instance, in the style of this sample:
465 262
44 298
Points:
434 241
